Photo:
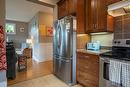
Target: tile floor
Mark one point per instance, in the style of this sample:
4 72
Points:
45 81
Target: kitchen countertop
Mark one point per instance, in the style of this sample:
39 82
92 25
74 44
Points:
93 52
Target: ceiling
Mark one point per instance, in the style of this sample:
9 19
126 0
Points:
50 1
22 10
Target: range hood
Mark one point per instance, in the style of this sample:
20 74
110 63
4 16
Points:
119 8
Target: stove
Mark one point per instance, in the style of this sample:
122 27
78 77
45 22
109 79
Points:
120 50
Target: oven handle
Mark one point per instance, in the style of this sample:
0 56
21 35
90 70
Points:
106 60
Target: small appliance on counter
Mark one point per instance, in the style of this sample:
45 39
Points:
93 46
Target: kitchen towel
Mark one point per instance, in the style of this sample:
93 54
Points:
115 72
125 74
3 65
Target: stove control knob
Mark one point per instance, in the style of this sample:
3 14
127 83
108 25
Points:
115 42
118 42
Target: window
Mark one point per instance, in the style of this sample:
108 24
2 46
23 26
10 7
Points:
10 28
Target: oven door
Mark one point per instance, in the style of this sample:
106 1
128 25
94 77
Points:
104 74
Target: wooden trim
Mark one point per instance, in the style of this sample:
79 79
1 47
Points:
42 3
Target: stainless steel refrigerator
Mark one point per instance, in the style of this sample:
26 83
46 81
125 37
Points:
64 49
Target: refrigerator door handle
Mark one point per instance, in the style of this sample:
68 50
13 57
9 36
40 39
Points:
61 38
58 37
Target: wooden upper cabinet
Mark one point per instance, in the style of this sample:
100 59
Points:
101 23
80 14
62 8
90 15
112 1
72 6
97 17
66 7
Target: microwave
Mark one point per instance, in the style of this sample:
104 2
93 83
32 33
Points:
93 46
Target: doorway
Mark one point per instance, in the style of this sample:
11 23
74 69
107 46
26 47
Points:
29 27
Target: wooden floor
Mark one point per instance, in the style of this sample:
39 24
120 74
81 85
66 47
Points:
45 81
34 70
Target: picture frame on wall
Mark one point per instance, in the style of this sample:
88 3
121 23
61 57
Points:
22 29
49 31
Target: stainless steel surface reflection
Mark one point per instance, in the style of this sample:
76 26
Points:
64 49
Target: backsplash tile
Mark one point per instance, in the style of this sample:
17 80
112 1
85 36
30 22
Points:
118 36
82 39
118 26
122 27
104 39
127 36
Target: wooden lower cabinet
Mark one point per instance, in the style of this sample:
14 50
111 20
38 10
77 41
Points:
87 69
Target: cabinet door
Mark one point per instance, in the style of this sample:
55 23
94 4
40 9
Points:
105 22
110 23
88 69
97 18
72 6
62 8
112 1
91 18
81 16
101 24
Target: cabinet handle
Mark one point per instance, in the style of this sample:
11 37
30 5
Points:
93 25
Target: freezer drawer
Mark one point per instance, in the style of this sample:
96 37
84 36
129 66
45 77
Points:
63 70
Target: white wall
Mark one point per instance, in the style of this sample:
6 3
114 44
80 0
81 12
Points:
105 39
42 46
43 52
3 81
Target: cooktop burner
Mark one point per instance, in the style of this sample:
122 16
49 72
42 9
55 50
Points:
120 50
115 55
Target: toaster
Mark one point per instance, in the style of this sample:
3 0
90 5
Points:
93 46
